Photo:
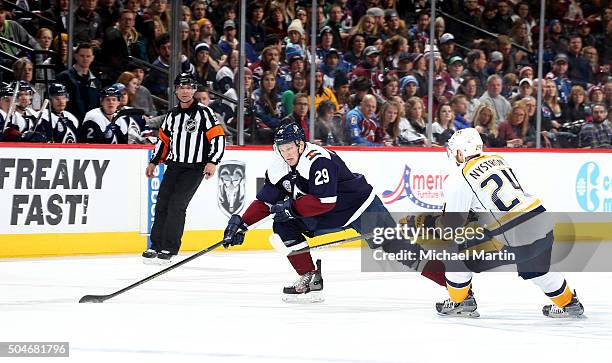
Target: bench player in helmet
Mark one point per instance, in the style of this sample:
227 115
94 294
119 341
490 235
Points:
63 125
486 184
23 107
311 191
9 124
98 126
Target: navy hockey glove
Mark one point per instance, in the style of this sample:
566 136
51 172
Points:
234 232
283 211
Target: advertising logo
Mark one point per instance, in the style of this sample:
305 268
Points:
593 190
231 191
424 190
154 184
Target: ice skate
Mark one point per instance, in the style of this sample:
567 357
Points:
465 309
307 289
164 258
572 310
149 257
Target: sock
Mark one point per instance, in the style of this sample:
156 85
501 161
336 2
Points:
302 262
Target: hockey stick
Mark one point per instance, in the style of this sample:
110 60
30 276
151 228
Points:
279 246
12 106
103 298
40 114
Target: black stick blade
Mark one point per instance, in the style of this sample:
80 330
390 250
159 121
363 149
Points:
93 299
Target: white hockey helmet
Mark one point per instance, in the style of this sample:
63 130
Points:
464 144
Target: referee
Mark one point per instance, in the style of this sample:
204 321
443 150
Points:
191 143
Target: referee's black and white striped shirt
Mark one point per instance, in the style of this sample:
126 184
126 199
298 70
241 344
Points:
190 136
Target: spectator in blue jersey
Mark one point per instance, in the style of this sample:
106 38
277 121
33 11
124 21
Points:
363 124
332 64
311 192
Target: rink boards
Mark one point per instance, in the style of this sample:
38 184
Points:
68 200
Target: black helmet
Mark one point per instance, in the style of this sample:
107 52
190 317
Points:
6 91
57 89
110 92
24 87
290 132
183 79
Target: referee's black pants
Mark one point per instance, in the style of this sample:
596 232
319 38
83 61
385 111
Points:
175 192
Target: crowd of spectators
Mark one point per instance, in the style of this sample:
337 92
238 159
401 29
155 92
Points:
372 68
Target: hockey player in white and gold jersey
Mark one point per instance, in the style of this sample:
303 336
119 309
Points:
487 185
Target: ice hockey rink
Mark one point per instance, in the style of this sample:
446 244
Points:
227 307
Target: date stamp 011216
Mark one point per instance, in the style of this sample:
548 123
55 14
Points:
34 349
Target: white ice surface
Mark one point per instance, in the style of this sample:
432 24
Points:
226 307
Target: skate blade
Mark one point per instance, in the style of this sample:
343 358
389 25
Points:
149 261
462 314
161 262
309 298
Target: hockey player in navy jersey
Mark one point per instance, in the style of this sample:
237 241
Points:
58 124
311 191
98 126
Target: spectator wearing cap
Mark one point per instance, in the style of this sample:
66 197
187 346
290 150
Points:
334 21
322 93
596 95
408 87
255 32
298 85
228 41
379 16
356 45
391 50
525 89
453 76
584 30
157 81
370 67
363 124
83 86
419 71
342 92
476 62
404 64
447 47
326 41
331 65
12 30
394 25
596 134
493 97
296 35
299 114
495 64
294 58
559 71
275 22
579 68
204 72
526 72
556 37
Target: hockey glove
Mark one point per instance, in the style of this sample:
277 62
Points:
283 211
234 232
